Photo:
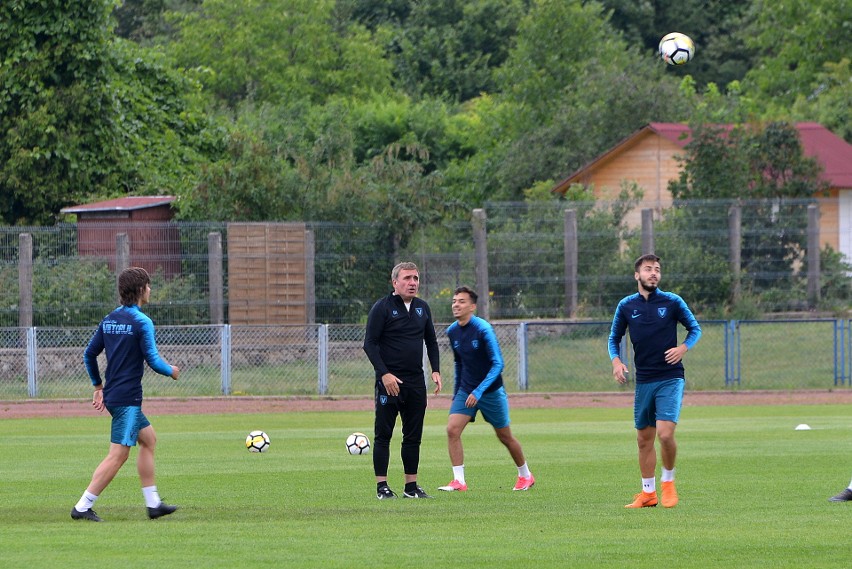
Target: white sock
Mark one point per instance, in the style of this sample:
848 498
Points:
458 473
524 471
649 485
87 500
152 497
667 475
850 486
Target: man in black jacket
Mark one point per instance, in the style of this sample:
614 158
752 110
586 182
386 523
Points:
397 327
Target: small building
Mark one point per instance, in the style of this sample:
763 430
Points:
154 240
648 157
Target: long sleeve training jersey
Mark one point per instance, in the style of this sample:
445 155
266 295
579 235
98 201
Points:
653 330
394 338
127 335
478 360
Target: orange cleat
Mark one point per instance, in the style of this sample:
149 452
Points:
643 500
669 495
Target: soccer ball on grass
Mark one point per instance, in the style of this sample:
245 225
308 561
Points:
358 443
257 441
677 48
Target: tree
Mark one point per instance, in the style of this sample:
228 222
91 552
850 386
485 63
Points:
761 169
58 143
802 46
451 48
715 26
277 52
85 115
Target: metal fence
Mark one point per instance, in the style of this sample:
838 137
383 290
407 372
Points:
525 262
540 356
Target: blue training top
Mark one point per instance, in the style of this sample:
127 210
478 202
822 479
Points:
478 361
127 334
653 330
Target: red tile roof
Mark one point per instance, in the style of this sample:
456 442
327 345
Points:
831 151
121 204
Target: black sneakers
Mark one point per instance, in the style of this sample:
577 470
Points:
416 493
162 510
845 496
87 515
385 493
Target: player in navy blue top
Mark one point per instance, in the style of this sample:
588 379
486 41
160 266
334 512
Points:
478 387
127 336
652 316
397 327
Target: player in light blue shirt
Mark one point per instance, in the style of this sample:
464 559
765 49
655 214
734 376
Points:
478 387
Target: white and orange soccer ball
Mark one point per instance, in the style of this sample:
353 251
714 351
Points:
358 443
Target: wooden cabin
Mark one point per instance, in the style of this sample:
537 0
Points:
647 157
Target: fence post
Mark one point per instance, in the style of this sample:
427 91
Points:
214 271
310 277
647 231
732 352
735 237
523 368
225 331
32 363
480 242
813 256
839 352
571 256
25 280
122 254
322 357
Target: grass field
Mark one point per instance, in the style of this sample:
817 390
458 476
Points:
753 494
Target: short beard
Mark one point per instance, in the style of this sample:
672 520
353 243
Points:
648 287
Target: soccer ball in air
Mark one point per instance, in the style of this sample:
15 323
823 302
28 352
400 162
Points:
358 443
676 48
257 441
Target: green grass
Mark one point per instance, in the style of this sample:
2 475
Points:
753 494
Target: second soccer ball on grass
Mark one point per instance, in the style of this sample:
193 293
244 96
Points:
358 443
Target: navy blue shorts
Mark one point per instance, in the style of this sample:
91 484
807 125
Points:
127 421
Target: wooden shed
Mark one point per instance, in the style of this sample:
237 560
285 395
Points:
648 157
154 240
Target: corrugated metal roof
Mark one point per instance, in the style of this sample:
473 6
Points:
121 204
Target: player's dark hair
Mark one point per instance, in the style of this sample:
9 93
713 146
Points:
473 295
649 258
131 284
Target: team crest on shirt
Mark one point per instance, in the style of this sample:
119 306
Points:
419 312
475 344
395 312
661 312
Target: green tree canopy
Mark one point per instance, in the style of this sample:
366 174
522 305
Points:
278 52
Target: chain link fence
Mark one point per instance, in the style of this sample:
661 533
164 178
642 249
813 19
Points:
760 268
328 360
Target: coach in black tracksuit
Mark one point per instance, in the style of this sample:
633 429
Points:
397 327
